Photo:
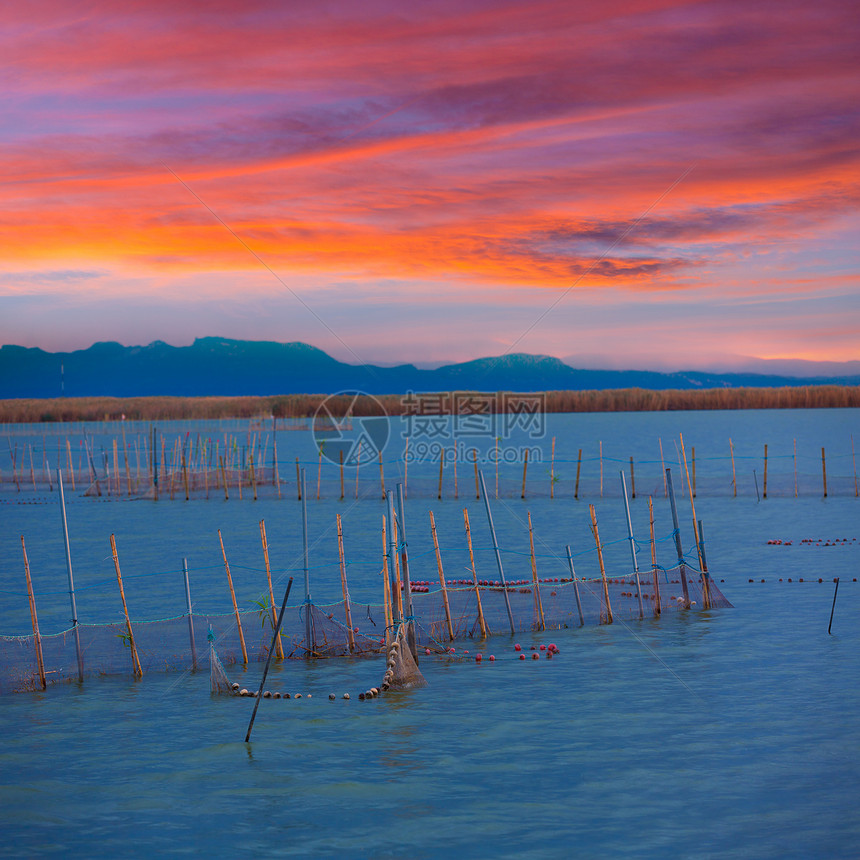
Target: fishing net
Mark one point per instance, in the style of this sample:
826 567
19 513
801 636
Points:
218 680
401 671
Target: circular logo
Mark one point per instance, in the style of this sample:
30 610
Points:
351 427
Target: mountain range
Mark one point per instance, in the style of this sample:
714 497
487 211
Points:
214 366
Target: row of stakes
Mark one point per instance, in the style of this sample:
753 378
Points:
549 651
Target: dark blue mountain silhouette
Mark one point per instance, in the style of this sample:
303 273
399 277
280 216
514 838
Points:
214 366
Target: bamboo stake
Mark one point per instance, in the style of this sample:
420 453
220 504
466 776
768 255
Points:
481 621
386 589
632 545
657 608
37 639
298 480
254 479
575 587
394 567
32 469
134 658
341 474
538 601
854 466
477 485
578 467
275 465
552 472
632 480
224 478
14 465
525 469
498 555
442 582
185 476
72 603
190 614
693 463
663 468
116 468
71 468
734 478
594 531
795 467
125 457
310 632
706 591
601 469
319 474
381 475
823 472
404 566
233 598
764 491
279 647
398 582
347 607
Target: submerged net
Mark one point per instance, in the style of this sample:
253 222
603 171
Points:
165 645
218 680
401 671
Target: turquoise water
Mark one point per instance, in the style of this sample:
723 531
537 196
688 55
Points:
702 734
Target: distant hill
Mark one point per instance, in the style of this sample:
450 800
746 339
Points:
214 366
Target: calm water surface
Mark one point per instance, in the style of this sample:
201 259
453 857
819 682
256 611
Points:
730 733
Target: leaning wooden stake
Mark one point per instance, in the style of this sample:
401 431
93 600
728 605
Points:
441 465
525 469
632 545
185 476
224 478
764 490
298 480
535 585
552 471
706 591
608 617
254 484
734 477
442 582
381 476
481 621
824 472
235 605
578 467
341 473
498 554
347 607
279 648
74 607
134 658
37 639
632 480
682 567
319 474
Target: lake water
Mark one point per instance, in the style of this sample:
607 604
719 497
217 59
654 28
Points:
734 732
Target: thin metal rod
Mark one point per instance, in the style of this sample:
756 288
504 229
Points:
632 544
392 553
268 660
404 572
496 550
575 586
835 591
190 616
71 577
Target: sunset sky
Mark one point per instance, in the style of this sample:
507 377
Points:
633 183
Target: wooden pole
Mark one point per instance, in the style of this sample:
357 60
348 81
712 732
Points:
552 472
254 484
632 480
706 592
525 469
657 608
125 457
396 596
663 468
347 606
298 480
535 584
498 554
734 478
601 469
578 467
575 587
404 568
481 621
224 478
442 582
235 605
693 462
71 468
608 614
279 647
190 614
854 466
185 475
632 545
71 577
381 475
319 474
386 585
37 639
275 637
135 661
824 472
477 485
764 491
682 568
275 465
